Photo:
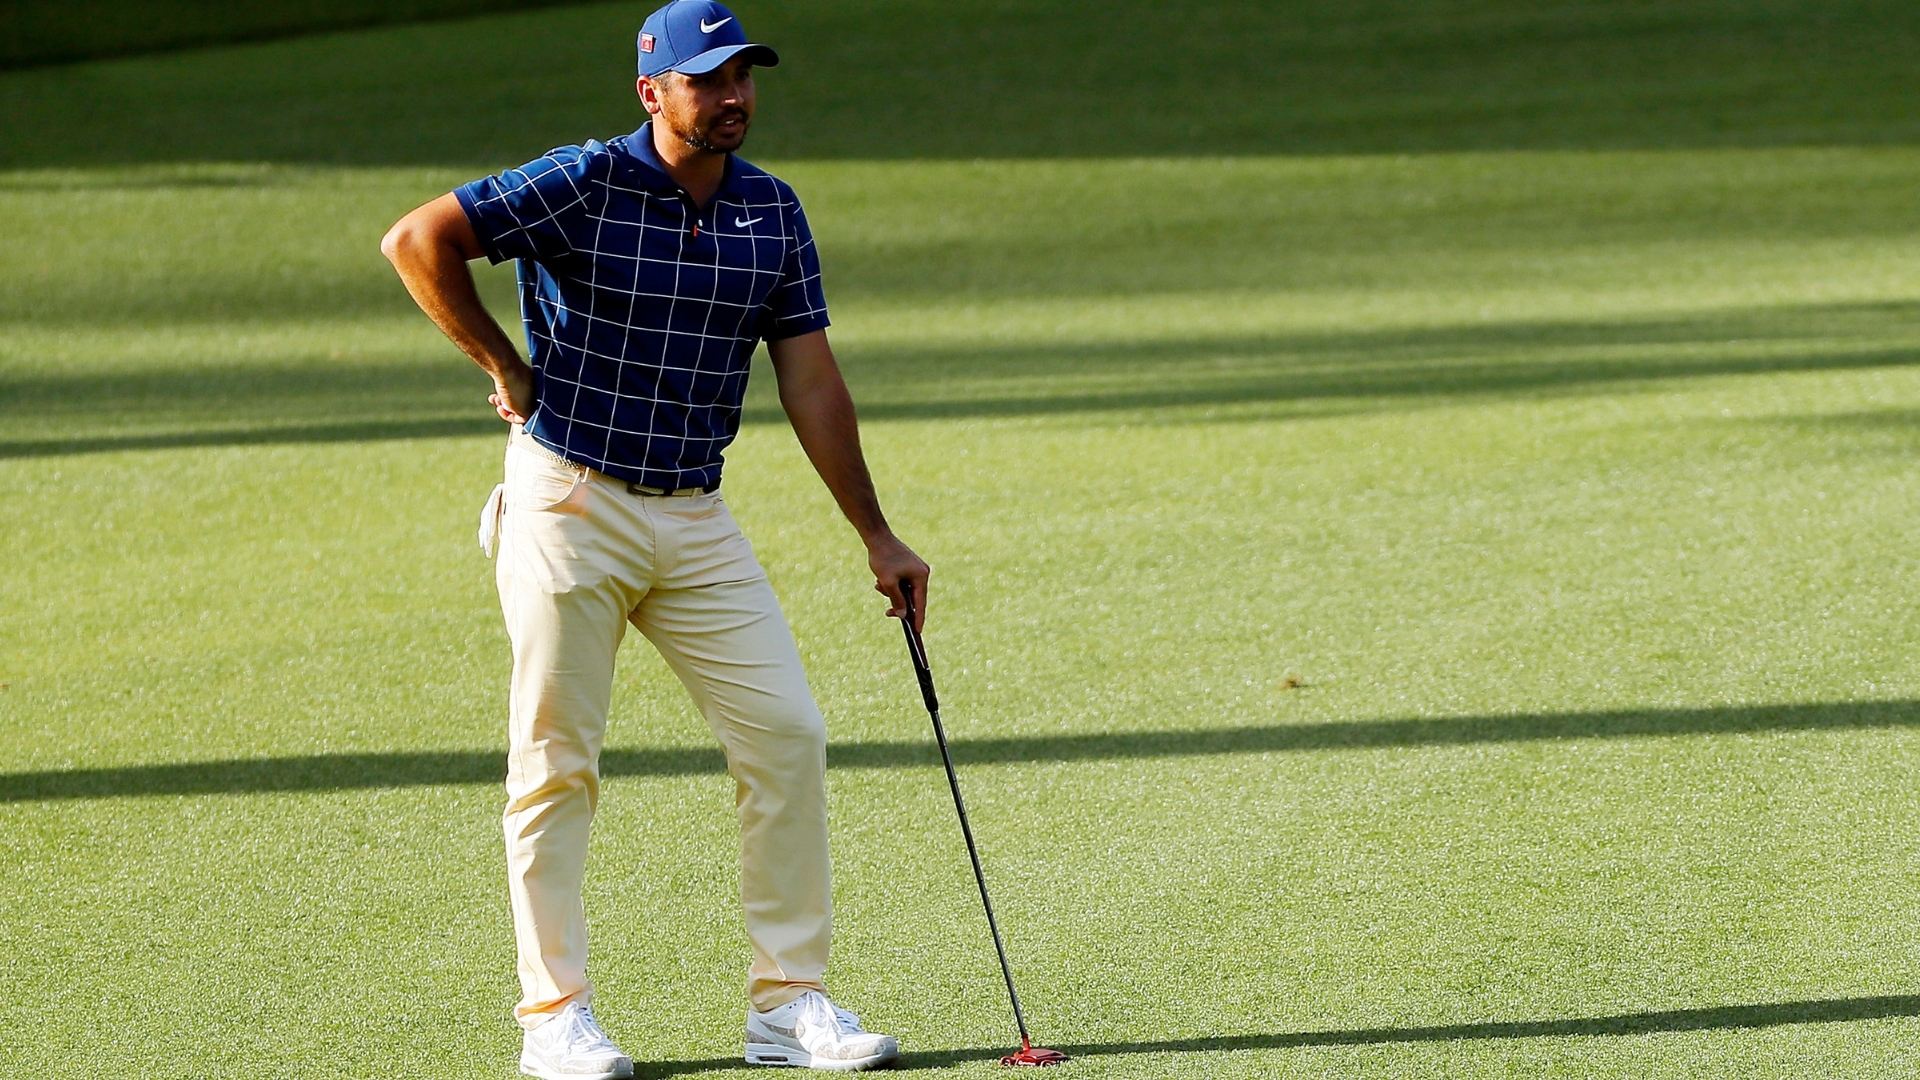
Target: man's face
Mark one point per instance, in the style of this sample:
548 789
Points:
710 112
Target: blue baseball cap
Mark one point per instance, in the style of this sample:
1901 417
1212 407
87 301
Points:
693 37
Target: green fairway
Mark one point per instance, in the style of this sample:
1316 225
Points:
1444 612
894 79
49 31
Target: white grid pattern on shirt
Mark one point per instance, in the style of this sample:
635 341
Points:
643 332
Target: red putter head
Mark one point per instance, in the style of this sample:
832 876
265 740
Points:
1036 1056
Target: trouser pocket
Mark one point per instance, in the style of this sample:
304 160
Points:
538 483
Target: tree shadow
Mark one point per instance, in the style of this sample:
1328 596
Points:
1433 381
226 405
265 435
1279 374
964 79
43 33
346 772
1716 1018
1891 429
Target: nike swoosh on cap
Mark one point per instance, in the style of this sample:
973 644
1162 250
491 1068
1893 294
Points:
705 29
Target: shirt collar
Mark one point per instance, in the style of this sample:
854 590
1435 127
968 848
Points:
654 173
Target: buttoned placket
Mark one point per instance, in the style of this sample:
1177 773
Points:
698 216
693 208
641 146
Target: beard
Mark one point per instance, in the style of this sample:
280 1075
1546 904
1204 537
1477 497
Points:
697 139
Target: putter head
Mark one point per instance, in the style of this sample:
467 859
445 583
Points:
1036 1056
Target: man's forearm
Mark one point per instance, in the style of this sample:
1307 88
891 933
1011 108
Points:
816 399
823 420
430 248
440 282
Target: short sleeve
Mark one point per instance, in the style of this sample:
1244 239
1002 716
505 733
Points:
536 211
798 304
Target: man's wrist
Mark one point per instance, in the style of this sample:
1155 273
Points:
515 368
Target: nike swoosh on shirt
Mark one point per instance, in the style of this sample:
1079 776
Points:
741 223
705 29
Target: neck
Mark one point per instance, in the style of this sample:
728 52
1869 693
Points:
697 171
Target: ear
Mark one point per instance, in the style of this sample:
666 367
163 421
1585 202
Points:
649 95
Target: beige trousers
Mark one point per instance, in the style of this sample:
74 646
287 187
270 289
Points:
580 558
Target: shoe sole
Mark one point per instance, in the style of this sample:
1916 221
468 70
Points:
775 1054
623 1070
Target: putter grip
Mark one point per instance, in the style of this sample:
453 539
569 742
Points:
918 650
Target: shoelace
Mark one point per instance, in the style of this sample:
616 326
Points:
583 1031
818 1010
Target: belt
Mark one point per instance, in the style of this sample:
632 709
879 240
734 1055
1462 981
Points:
642 489
528 443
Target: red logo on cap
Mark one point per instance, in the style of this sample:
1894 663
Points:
646 42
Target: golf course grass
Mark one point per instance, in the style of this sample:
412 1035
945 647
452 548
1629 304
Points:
41 32
1424 597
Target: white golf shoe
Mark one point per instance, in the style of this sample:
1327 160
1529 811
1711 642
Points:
571 1046
812 1033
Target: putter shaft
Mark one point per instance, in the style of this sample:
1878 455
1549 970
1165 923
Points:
924 673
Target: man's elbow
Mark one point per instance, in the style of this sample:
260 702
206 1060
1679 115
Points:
401 241
432 235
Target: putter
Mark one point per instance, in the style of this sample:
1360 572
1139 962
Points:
1028 1054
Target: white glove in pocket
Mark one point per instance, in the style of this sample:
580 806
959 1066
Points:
490 518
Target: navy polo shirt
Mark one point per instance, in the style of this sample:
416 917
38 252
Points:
642 311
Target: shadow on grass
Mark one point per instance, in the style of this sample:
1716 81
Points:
372 431
1771 1014
342 772
1895 429
1720 1018
297 403
905 80
1384 380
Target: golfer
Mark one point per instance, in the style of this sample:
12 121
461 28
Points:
650 267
